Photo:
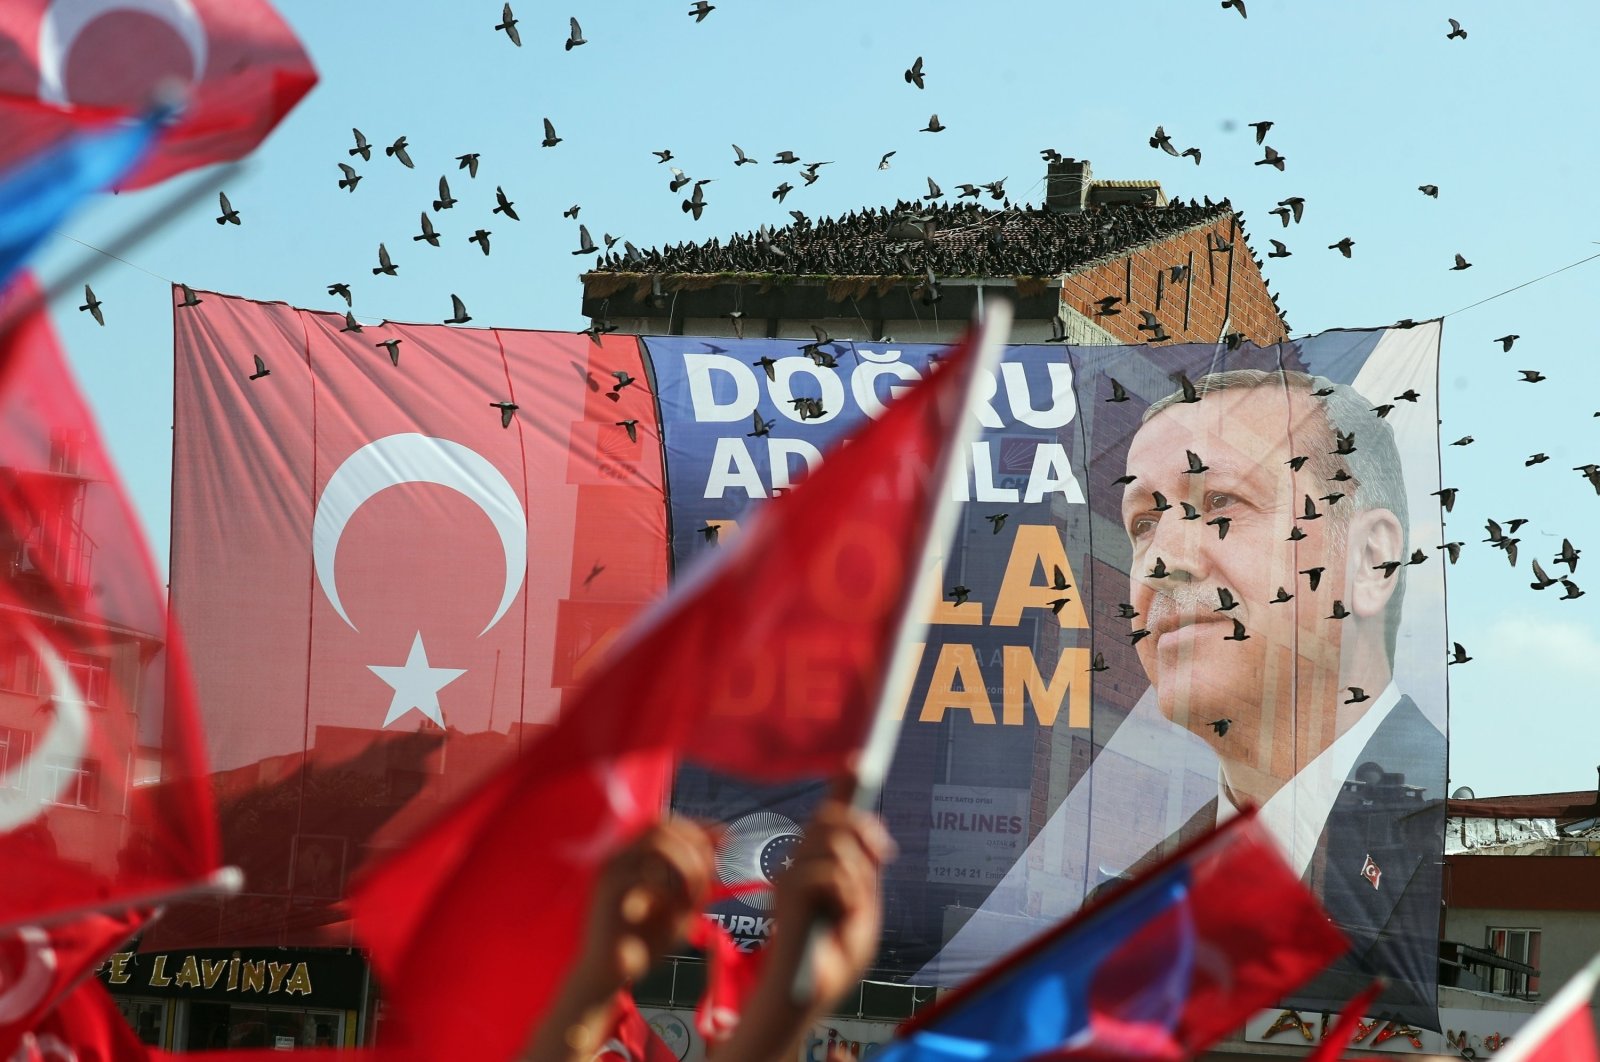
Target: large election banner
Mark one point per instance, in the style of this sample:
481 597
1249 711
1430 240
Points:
1188 579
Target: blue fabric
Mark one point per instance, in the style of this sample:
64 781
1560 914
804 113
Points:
1043 1003
38 193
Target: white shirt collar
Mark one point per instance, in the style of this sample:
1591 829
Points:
1296 814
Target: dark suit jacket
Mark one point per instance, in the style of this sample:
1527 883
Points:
1392 810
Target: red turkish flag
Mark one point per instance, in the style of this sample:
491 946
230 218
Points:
76 62
86 1027
1563 1030
630 1038
386 590
39 965
508 872
102 799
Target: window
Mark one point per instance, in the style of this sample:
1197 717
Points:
74 784
13 754
1518 945
92 675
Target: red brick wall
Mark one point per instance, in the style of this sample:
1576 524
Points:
1206 289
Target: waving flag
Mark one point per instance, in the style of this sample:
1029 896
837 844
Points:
102 794
1563 1030
72 63
822 561
1160 970
38 193
40 965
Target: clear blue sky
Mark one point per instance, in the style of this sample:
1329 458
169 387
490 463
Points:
1369 98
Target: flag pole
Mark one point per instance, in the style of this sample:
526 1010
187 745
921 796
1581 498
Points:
877 753
223 881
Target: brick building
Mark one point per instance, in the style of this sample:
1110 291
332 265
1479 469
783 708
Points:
915 272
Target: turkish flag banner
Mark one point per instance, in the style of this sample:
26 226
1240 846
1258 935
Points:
72 63
391 561
86 1027
39 965
102 800
526 848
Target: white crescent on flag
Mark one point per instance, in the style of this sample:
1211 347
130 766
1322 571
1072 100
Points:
413 458
21 994
64 20
63 743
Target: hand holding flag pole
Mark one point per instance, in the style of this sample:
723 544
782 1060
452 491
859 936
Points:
877 754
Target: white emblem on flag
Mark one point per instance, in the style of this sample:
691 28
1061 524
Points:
63 743
23 991
413 458
1370 871
64 20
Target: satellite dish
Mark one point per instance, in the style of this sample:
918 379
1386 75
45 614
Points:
1463 792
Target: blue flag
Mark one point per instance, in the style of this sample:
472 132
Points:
1041 1000
38 193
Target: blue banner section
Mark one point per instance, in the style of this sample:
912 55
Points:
1048 745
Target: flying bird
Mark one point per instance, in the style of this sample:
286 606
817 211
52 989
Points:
385 265
633 428
759 427
351 178
1459 656
959 593
1452 550
468 162
1193 153
1313 574
261 369
575 36
1238 634
786 158
1531 376
1590 472
934 191
550 138
1282 596
742 159
1226 600
481 238
1568 555
710 531
623 379
1455 31
350 323
1296 203
229 215
191 299
398 150
92 305
1106 307
1272 158
1540 579
883 163
1220 726
362 148
998 520
343 291
1261 130
914 74
1137 636
393 346
1572 591
1357 695
428 234
1447 497
1160 139
506 410
1461 263
585 244
503 205
508 23
445 200
1429 190
696 203
933 126
1506 341
700 10
459 313
1237 5
1343 246
1118 392
1279 250
1196 466
1160 570
1221 523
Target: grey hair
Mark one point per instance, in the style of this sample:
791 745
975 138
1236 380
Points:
1374 467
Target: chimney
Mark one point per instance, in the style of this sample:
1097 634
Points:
1066 186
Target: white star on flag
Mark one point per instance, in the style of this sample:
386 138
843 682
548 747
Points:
416 685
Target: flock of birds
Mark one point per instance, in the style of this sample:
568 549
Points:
929 237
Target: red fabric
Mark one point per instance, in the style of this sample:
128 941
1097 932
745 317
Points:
1563 1030
102 795
1260 933
86 1027
630 1038
39 966
523 851
730 979
309 779
1345 1028
60 75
